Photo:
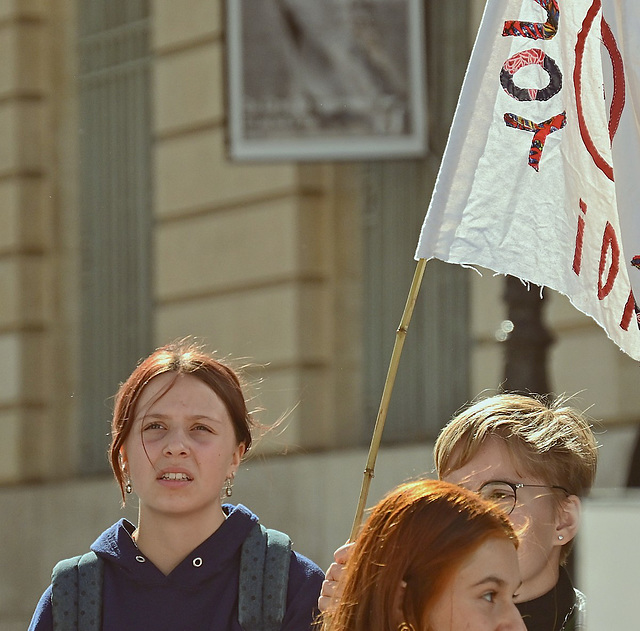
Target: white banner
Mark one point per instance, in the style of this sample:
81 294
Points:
542 169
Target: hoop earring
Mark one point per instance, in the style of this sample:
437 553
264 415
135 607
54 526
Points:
127 487
406 626
228 487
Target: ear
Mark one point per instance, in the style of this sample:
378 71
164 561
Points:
236 458
568 519
398 602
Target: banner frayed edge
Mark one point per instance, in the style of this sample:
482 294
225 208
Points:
526 282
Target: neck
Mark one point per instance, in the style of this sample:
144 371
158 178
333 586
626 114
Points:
537 587
166 540
542 581
550 611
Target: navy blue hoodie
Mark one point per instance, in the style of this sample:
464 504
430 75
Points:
199 597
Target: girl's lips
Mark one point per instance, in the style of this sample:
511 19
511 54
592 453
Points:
175 473
179 482
176 476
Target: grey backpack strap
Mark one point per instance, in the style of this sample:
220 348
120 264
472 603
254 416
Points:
276 579
76 593
264 576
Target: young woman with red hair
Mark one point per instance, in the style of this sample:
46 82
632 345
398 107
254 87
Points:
431 557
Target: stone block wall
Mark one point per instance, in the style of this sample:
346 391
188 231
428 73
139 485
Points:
245 253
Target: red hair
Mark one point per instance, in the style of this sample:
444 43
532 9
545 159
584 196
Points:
419 533
181 357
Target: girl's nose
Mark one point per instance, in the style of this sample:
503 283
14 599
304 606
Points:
176 444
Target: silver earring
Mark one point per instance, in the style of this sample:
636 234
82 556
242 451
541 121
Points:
560 537
228 487
127 487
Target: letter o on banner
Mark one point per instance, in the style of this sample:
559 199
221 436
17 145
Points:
531 57
609 242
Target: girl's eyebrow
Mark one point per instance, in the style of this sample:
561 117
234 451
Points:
491 579
495 580
205 417
194 417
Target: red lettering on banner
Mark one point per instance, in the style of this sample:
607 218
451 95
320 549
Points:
577 254
618 99
617 103
629 309
609 244
610 248
540 133
536 30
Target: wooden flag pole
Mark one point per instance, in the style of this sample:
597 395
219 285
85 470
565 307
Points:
401 334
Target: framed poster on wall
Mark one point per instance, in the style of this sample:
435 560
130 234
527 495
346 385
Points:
325 79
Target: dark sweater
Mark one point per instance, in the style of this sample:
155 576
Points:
550 611
201 597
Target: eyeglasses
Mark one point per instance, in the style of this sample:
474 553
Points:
505 494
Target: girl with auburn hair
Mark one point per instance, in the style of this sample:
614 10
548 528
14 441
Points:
180 429
430 557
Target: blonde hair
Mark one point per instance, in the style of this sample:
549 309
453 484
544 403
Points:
551 441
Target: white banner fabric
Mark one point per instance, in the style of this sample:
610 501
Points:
542 168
